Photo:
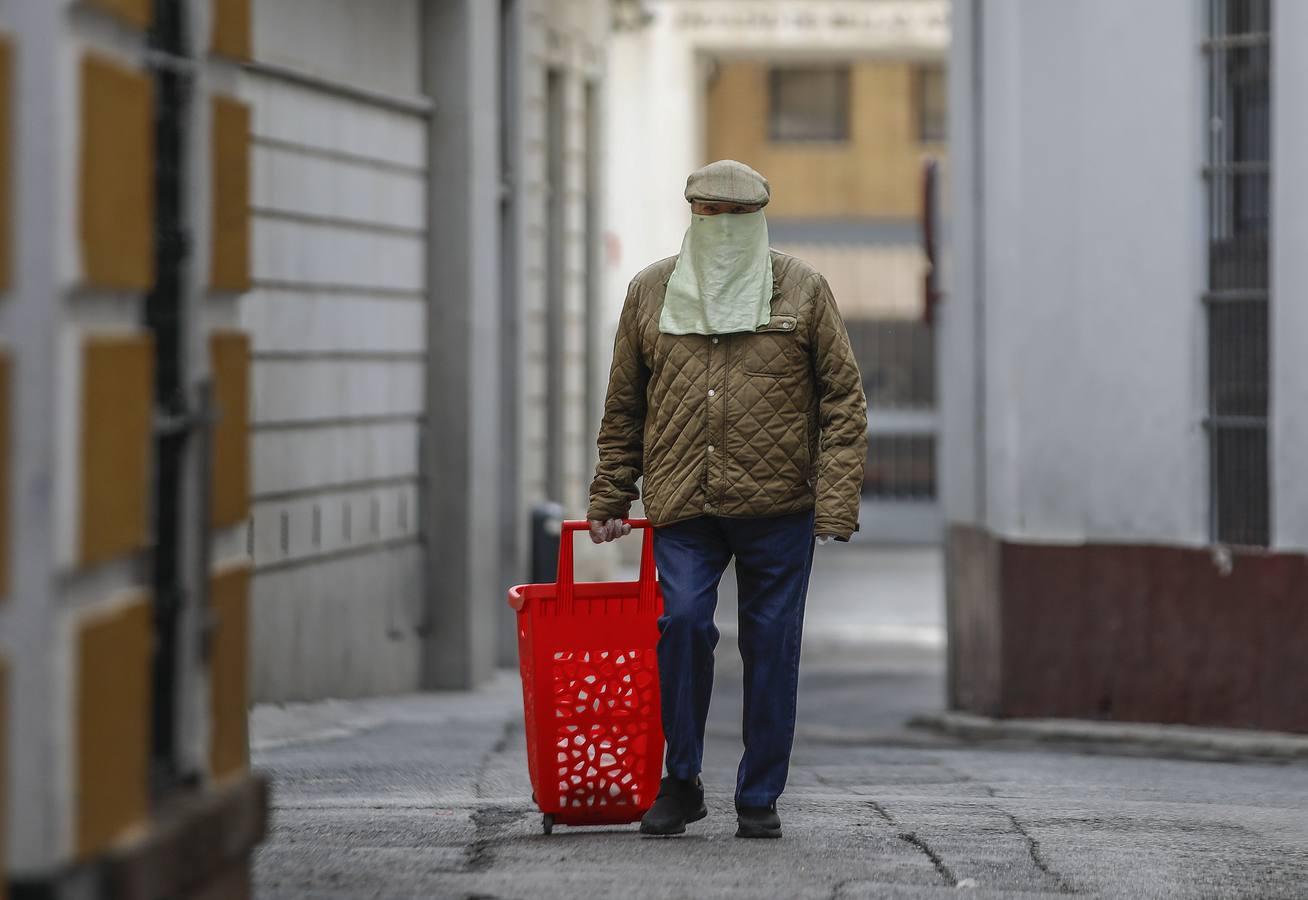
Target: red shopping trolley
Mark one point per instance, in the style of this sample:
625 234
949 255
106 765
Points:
590 691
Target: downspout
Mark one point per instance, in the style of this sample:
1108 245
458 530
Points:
978 265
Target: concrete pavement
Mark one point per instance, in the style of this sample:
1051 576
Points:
428 796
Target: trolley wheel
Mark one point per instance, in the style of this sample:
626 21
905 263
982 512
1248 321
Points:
547 823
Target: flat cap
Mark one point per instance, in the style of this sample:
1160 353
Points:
728 181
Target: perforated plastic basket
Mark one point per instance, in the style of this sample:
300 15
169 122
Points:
590 690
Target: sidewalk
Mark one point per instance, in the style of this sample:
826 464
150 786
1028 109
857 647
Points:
428 796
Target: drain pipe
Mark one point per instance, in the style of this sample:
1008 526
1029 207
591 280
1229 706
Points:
978 264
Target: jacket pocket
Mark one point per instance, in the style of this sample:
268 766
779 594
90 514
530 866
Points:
773 350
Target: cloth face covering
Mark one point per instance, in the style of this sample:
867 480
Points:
723 279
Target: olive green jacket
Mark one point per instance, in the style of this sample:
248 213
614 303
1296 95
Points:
754 424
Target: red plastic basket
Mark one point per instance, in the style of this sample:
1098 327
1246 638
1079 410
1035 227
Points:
590 690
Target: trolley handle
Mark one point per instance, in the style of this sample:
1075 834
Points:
565 587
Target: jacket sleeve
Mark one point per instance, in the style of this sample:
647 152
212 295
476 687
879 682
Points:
842 420
622 430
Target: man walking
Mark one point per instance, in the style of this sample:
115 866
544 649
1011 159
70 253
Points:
735 395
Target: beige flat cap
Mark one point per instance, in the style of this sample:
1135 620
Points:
728 181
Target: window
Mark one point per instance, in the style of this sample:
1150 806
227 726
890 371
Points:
809 103
929 95
1238 174
901 467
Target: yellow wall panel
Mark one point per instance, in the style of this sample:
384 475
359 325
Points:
6 475
113 724
873 174
229 672
231 28
231 195
230 352
117 430
6 160
116 225
136 12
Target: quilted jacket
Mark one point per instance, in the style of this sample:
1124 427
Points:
737 425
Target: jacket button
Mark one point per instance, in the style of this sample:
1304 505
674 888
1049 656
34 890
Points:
787 324
712 392
715 340
710 448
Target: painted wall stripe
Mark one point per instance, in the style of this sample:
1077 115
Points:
229 672
116 225
113 723
230 352
231 196
117 404
231 28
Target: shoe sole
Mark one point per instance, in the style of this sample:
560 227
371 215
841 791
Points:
757 831
680 829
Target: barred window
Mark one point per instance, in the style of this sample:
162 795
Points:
1238 173
901 467
809 103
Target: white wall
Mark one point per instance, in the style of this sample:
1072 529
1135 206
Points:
370 45
337 320
36 789
1091 272
868 280
652 132
1289 313
960 380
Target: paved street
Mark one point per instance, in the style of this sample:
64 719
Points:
427 796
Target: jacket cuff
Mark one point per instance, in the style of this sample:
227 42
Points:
841 531
599 512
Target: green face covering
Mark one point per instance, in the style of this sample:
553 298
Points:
723 279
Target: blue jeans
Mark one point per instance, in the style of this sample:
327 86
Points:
774 556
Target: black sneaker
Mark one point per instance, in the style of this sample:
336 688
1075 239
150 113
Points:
758 822
678 803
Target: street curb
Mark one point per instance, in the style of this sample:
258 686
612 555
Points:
1124 738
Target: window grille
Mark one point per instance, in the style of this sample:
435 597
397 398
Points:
901 467
897 361
1238 174
809 103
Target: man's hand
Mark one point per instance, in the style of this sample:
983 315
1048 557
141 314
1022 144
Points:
824 538
608 530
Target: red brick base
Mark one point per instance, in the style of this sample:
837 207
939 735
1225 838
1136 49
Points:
1127 632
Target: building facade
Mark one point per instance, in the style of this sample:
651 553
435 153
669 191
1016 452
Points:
424 190
124 628
840 105
1123 383
295 301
